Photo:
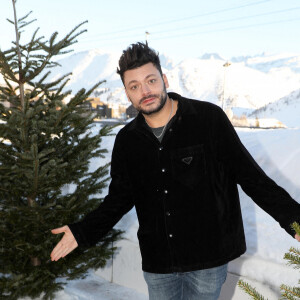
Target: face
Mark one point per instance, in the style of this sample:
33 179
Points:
146 88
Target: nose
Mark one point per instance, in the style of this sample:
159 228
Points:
145 89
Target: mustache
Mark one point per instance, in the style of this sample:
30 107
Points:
148 97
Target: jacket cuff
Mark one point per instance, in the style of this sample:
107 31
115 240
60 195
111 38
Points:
78 234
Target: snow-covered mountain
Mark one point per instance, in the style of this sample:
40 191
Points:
247 83
250 82
92 66
211 56
286 109
244 86
265 62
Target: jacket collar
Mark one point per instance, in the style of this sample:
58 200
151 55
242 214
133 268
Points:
185 107
184 104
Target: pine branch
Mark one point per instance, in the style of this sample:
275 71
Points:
6 70
10 21
250 290
25 17
27 23
61 87
296 227
290 293
8 84
89 92
295 251
293 257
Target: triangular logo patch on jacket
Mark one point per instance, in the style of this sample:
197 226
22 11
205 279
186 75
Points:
187 160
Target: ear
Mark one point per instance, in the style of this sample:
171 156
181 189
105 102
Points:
165 79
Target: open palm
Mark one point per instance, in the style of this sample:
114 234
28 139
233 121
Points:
66 245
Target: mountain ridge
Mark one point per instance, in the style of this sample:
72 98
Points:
248 83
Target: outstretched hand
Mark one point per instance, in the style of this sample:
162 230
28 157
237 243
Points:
66 245
297 237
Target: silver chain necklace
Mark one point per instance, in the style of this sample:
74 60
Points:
163 130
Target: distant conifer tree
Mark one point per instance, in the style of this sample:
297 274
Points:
287 292
46 145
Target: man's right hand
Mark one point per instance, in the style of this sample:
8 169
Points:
66 245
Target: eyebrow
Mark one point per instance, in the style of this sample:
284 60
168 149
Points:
133 81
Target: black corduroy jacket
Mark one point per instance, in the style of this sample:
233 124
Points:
185 191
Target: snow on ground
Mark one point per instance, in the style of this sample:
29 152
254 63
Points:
96 288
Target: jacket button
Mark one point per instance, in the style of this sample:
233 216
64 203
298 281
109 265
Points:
163 170
160 148
168 214
170 129
170 235
166 191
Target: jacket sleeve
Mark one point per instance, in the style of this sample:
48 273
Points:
117 203
255 183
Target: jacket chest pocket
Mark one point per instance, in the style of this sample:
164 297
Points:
189 166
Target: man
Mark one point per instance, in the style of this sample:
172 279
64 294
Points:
178 162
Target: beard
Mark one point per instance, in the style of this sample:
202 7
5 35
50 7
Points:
163 96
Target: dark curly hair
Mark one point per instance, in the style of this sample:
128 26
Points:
137 55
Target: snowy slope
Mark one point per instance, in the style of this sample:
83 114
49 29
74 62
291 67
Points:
244 86
271 62
286 109
249 83
90 67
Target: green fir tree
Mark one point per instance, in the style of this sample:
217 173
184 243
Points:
46 145
287 292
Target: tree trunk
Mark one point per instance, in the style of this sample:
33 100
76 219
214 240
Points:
21 84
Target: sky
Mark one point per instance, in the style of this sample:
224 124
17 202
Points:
179 29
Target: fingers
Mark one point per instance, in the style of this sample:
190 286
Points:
61 251
56 253
297 237
67 244
59 230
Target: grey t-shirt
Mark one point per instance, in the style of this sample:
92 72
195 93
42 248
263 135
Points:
158 131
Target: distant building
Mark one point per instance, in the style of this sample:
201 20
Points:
100 109
103 111
266 123
118 111
95 102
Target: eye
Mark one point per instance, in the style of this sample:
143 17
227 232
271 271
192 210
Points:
134 87
152 80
